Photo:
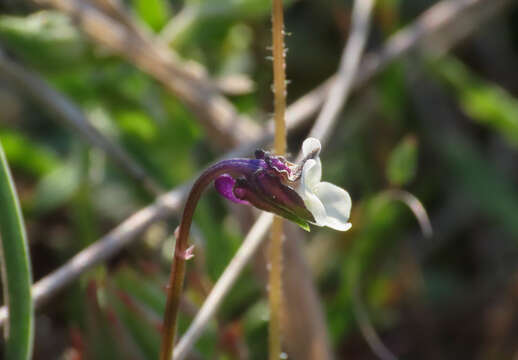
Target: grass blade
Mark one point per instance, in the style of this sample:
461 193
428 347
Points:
16 269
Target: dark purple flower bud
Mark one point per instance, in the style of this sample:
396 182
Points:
264 183
271 187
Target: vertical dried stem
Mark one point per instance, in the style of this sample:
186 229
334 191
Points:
279 77
275 289
275 250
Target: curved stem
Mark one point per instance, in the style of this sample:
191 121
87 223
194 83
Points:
176 279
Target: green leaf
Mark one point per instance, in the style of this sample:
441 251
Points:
47 39
402 163
16 269
57 188
146 338
154 12
304 225
141 288
27 155
486 103
100 343
393 93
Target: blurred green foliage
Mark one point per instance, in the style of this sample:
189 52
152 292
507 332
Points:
483 101
155 13
49 34
402 163
445 130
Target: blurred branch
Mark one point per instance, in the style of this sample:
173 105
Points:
116 10
179 23
70 115
225 282
367 329
415 205
360 313
438 29
297 115
306 333
223 124
342 85
104 248
234 84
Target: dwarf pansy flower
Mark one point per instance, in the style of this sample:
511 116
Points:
270 183
295 192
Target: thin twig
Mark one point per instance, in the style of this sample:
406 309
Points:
341 88
368 331
217 114
179 23
104 248
415 205
360 313
116 10
297 115
71 116
225 282
438 29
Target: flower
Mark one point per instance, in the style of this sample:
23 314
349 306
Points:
329 204
270 183
263 182
273 184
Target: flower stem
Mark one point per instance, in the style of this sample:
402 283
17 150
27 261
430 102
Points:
176 279
275 250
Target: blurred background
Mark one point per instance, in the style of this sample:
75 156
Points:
104 105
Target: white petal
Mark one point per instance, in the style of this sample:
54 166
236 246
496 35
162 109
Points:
311 145
337 204
311 174
315 207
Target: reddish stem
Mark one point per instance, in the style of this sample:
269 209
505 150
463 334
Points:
176 279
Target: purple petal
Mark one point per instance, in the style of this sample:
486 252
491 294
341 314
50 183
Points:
271 188
278 164
224 184
249 192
